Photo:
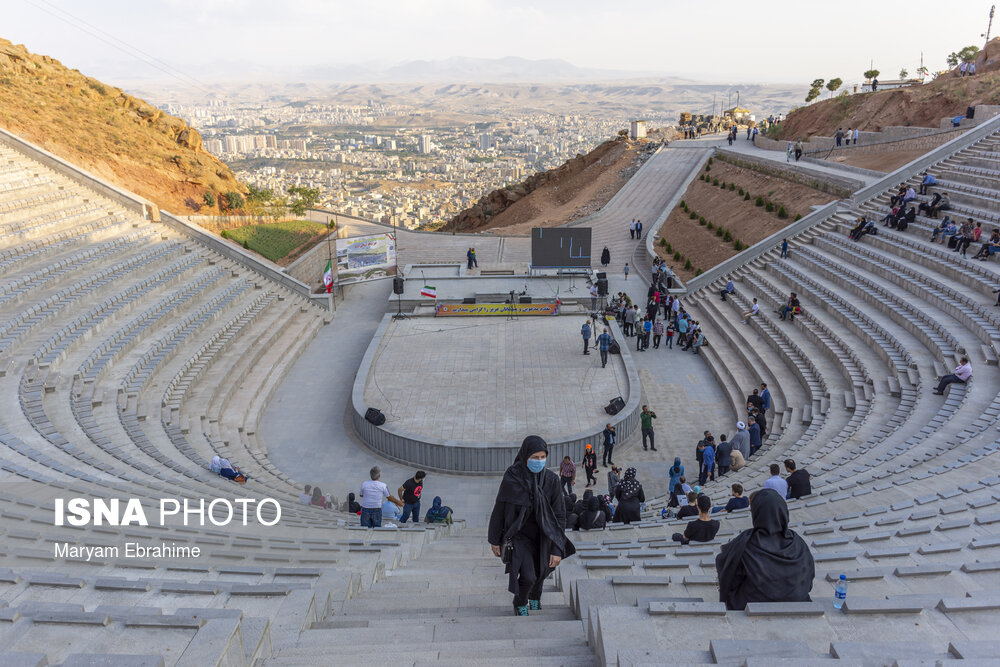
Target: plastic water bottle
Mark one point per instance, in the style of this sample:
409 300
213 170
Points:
841 592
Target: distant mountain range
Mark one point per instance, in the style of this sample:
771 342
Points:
461 69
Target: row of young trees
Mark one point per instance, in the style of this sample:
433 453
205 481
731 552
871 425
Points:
262 201
968 54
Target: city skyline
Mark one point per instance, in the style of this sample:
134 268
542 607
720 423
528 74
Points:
214 40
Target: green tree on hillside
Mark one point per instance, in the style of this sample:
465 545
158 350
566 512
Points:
261 195
833 85
231 201
305 198
817 83
872 74
903 74
209 199
968 54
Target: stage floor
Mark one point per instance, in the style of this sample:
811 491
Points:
487 379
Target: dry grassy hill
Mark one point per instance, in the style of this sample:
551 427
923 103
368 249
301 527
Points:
578 187
108 132
921 106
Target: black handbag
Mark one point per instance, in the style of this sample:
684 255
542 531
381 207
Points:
507 551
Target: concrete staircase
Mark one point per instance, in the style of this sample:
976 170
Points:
449 607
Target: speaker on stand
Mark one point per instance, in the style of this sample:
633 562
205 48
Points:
397 289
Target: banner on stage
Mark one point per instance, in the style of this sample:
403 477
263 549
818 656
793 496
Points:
365 258
487 309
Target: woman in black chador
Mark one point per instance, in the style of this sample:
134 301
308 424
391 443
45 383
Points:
766 563
527 525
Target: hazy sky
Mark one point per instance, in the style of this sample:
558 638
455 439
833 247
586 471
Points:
778 41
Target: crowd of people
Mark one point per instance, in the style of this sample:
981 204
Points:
378 505
768 562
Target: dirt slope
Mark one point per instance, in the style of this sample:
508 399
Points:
107 132
577 188
921 106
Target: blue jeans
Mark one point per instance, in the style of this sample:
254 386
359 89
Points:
407 508
371 518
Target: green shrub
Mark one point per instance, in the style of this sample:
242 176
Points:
224 234
684 205
798 217
719 231
707 168
722 184
710 160
732 186
709 225
692 215
741 192
737 245
769 207
701 221
782 213
687 265
727 237
677 256
701 177
663 242
669 248
715 181
746 197
759 201
698 272
246 245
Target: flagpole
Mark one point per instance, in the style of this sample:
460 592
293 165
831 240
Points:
331 300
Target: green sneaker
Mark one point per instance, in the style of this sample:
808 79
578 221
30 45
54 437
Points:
534 605
521 611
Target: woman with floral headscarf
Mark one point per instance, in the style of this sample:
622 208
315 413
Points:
630 497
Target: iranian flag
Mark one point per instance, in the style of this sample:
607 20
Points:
328 276
429 291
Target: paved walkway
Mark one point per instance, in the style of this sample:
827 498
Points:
488 379
644 197
741 145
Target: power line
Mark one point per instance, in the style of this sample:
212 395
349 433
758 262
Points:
124 47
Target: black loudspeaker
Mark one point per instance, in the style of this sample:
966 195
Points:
970 112
602 286
524 299
615 406
397 285
601 275
469 299
375 416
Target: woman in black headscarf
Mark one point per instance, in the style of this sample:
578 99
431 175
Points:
766 563
589 512
531 513
630 497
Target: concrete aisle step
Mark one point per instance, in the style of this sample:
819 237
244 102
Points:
416 633
416 646
441 615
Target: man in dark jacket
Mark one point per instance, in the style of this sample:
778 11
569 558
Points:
754 430
798 480
609 444
723 455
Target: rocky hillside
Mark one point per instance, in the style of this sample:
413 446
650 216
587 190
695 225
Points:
578 187
108 132
921 106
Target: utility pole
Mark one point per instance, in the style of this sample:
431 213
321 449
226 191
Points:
989 26
332 300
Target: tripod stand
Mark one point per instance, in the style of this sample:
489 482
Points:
512 308
400 315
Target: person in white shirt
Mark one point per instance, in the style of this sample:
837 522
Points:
631 229
373 494
593 297
854 137
306 496
776 482
963 373
754 309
